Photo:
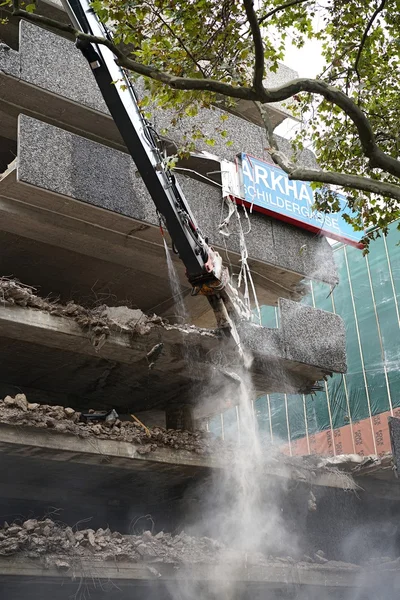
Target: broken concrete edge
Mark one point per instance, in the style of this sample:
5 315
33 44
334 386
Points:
121 325
357 464
100 322
306 335
123 444
51 548
53 445
9 61
276 575
45 546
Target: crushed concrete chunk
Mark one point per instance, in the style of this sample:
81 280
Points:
30 525
58 546
67 420
91 538
124 317
19 401
62 565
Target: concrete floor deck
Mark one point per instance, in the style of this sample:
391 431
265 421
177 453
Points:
33 445
45 355
93 576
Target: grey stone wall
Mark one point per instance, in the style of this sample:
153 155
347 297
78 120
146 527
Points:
313 336
9 61
306 335
53 63
71 165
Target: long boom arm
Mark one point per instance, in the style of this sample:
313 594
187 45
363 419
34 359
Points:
203 265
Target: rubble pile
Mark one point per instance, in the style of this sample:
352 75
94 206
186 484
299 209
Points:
18 411
14 293
60 545
99 321
44 538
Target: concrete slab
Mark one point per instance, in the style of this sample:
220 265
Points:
92 174
9 61
53 54
79 107
94 343
313 336
272 575
309 336
33 445
114 223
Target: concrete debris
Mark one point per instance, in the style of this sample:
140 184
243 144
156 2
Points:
354 463
20 401
99 321
12 292
319 557
60 546
17 411
155 352
312 502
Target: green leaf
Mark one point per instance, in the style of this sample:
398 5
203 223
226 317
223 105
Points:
181 39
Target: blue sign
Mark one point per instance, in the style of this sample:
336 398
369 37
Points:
270 190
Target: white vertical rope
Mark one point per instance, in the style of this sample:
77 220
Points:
392 281
288 426
346 391
380 336
326 387
306 424
360 349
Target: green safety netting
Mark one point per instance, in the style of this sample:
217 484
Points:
367 299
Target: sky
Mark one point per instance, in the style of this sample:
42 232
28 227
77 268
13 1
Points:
308 62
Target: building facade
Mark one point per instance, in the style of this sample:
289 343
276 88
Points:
349 415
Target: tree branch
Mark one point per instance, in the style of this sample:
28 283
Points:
178 39
259 62
365 35
357 182
272 12
377 158
179 83
294 172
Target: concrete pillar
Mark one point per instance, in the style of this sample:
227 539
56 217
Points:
180 416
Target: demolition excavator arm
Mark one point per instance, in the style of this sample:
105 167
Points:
204 267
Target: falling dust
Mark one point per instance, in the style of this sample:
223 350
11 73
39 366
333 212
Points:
175 285
241 510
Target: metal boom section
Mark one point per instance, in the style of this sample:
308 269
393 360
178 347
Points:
203 264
